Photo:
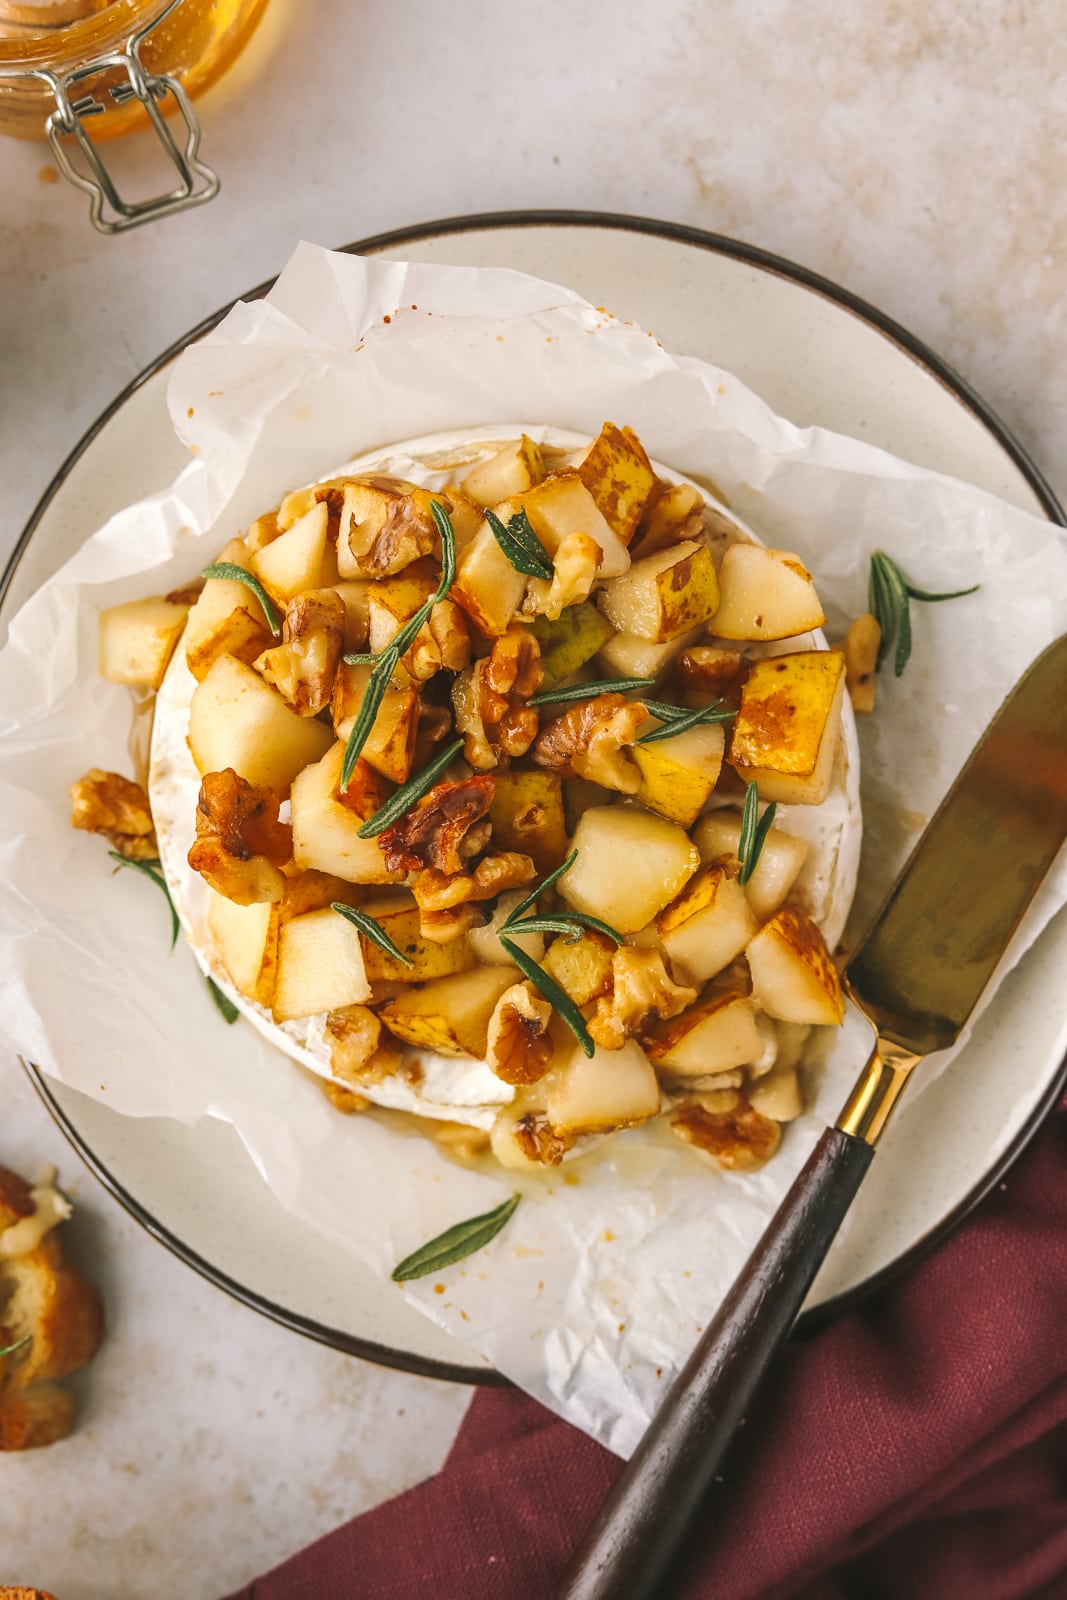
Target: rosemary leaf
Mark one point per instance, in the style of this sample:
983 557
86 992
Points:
20 1344
684 720
456 1243
557 998
754 831
588 691
370 930
520 544
236 574
225 1006
888 595
448 548
373 696
365 658
406 796
569 923
663 709
150 869
536 893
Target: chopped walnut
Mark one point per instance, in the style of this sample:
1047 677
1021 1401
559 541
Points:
437 891
432 831
441 927
589 741
490 699
240 844
442 642
303 667
540 1141
108 803
388 526
739 1139
642 987
519 1048
343 1099
574 568
360 1050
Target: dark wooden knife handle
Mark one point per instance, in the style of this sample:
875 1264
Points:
639 1528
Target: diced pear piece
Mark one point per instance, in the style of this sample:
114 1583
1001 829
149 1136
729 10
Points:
717 837
664 595
449 1015
137 640
619 476
485 941
397 915
785 732
236 720
226 619
673 515
610 1089
392 601
246 938
562 505
717 1034
514 469
630 865
778 1094
626 655
582 969
353 594
793 977
527 815
708 924
371 508
486 585
707 673
678 774
569 641
320 966
326 833
390 746
299 559
765 594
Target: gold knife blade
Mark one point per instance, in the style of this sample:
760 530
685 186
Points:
951 914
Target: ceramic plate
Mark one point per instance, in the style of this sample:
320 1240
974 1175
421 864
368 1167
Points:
817 355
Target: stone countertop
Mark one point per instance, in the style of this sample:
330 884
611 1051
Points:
911 151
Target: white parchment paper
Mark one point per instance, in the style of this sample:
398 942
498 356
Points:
597 1288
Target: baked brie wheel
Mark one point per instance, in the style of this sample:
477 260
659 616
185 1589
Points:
505 779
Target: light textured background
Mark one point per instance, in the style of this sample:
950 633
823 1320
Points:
912 151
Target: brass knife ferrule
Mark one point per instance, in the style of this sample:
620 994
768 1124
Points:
867 1109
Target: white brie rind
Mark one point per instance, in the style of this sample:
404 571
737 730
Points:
453 1088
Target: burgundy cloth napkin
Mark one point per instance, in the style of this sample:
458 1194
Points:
915 1447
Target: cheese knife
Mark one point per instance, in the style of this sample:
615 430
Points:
917 977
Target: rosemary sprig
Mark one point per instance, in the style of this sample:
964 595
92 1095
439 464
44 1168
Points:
20 1344
150 869
236 574
371 930
588 691
405 797
888 596
754 831
682 720
224 1005
456 1243
520 544
569 923
558 998
385 662
540 889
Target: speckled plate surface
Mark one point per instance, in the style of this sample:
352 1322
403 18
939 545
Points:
817 356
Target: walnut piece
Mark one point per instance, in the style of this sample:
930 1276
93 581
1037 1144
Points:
450 903
540 1141
642 987
459 1139
108 803
303 667
574 568
360 1050
589 741
518 1047
240 844
442 642
739 1139
431 833
388 528
490 699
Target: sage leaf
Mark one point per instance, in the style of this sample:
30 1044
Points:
456 1243
150 869
236 574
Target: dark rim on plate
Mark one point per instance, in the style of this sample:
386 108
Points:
716 244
